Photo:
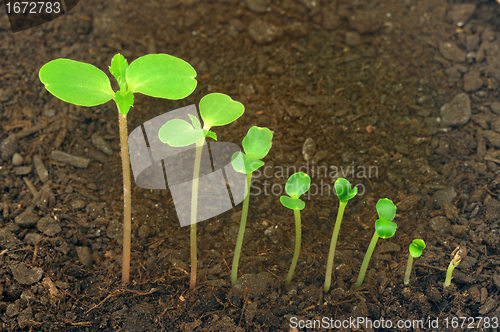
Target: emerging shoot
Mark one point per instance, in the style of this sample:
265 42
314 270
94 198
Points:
216 109
384 228
296 185
155 75
416 248
344 193
256 145
456 257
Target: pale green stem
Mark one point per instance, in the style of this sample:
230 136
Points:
449 272
333 244
298 236
366 260
127 197
194 211
241 232
408 270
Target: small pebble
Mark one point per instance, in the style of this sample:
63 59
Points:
257 284
8 147
263 32
144 231
32 238
451 52
78 204
69 159
48 226
25 275
458 112
23 170
352 38
49 112
40 168
101 144
17 159
84 255
308 149
26 219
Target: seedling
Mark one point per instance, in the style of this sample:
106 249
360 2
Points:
155 75
296 186
216 109
416 248
384 228
456 257
344 193
256 145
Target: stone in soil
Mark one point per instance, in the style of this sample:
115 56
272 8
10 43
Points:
26 219
440 225
451 52
8 239
101 144
259 6
40 168
84 255
472 81
443 196
17 159
492 137
48 226
495 107
352 38
25 275
458 112
8 147
365 21
459 14
257 284
308 149
263 32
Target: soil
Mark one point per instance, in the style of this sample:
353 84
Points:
401 97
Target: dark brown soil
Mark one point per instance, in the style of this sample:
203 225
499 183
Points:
364 80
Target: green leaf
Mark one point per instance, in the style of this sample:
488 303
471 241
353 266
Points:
343 190
297 184
161 76
210 134
416 247
292 203
179 133
385 228
386 209
257 142
245 164
76 82
194 120
218 109
118 69
124 100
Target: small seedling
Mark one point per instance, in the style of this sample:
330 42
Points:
296 186
344 193
256 145
155 75
216 109
417 246
384 228
456 257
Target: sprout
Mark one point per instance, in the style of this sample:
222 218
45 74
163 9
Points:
256 144
456 257
216 109
344 193
296 186
155 75
384 228
416 248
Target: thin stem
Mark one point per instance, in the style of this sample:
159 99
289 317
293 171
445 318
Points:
449 272
366 260
194 211
298 236
241 232
127 198
333 244
408 270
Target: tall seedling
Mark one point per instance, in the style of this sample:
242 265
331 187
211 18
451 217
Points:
155 75
216 109
256 144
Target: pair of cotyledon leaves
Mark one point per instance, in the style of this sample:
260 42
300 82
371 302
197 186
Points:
416 247
155 75
216 109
